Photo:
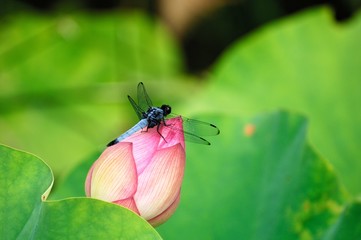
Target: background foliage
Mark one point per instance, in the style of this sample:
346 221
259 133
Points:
64 80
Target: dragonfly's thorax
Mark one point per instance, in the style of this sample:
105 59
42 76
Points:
155 115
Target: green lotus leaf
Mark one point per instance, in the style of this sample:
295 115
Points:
25 214
260 179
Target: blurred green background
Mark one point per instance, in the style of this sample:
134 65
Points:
65 72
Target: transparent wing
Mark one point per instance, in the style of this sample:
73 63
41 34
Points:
194 138
136 108
197 127
144 101
194 129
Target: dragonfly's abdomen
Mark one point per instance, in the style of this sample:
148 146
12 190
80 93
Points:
140 125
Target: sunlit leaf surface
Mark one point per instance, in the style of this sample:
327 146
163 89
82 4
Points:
262 180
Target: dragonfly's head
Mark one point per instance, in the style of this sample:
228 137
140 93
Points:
166 109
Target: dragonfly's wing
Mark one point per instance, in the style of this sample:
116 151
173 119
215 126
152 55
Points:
199 128
194 129
137 109
194 138
143 99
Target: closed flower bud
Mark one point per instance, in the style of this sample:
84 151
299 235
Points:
143 172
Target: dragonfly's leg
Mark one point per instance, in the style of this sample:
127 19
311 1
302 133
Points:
160 133
146 130
164 122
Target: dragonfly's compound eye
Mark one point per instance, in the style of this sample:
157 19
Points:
166 109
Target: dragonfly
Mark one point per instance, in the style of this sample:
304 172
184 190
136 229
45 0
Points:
151 116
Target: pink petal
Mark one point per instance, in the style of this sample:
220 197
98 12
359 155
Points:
145 144
160 182
128 203
164 216
173 134
114 175
88 181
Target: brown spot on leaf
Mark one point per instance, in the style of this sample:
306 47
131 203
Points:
249 129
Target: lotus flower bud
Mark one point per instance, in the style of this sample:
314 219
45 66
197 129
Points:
143 172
